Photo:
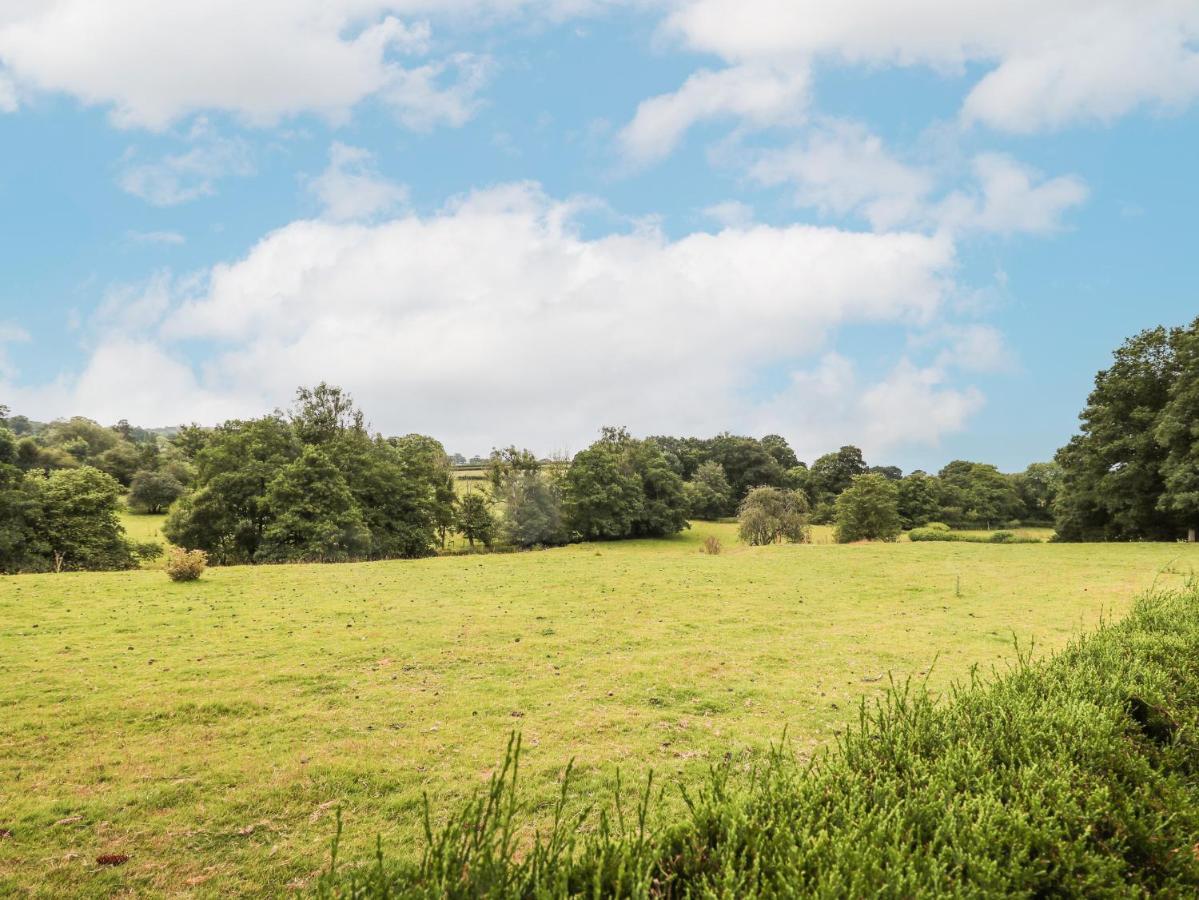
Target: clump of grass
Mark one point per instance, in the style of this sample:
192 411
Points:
1069 777
712 545
185 565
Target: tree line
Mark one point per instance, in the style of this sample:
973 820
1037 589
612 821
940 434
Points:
313 484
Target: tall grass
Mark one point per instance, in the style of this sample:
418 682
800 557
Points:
1075 776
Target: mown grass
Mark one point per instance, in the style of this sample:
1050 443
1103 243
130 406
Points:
209 730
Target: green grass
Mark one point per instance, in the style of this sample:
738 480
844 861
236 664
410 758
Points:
208 730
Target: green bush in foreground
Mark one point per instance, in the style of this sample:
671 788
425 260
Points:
1077 776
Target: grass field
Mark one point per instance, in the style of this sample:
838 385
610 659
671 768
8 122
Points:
209 730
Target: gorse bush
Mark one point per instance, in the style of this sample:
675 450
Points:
185 565
1078 776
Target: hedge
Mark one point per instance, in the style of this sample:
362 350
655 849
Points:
998 537
1073 776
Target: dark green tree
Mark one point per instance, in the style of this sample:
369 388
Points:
833 473
320 414
776 445
314 516
228 512
709 494
153 492
918 500
1177 432
1112 480
74 522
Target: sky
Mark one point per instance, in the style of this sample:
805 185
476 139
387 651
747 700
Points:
920 228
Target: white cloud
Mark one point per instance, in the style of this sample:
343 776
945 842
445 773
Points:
352 188
495 321
730 213
830 405
843 169
1010 197
156 61
1055 63
182 177
8 94
756 95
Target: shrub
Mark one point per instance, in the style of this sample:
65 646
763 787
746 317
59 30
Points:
937 526
1066 778
147 550
712 546
185 565
934 534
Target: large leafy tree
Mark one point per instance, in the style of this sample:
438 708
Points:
977 493
73 521
622 487
1177 433
1113 479
776 445
918 499
746 462
228 513
153 492
426 462
834 472
868 510
314 516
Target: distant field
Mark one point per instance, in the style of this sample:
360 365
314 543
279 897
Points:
209 730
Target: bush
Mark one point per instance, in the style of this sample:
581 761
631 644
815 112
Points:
185 565
931 534
712 546
1067 778
937 526
147 550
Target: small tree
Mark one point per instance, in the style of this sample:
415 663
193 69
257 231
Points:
153 492
75 524
868 510
474 520
770 515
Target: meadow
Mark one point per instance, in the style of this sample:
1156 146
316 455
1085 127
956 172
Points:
211 730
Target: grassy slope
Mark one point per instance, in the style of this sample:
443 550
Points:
206 729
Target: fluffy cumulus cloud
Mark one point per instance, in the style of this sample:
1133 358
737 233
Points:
496 320
155 61
1047 64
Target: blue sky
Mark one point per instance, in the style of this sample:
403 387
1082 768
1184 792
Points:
496 221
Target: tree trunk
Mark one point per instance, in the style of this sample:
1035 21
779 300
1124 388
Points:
59 556
1191 535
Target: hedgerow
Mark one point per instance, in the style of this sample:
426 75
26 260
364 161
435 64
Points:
944 534
1074 776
